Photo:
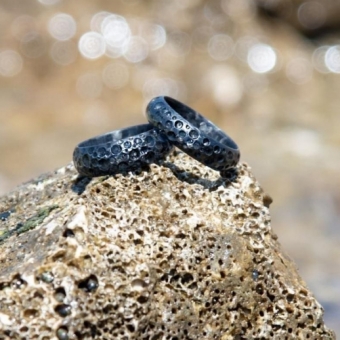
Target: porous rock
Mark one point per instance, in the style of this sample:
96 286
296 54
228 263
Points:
170 253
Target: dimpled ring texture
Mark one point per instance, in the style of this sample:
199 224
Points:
191 132
121 150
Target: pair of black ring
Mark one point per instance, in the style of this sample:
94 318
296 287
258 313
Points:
171 124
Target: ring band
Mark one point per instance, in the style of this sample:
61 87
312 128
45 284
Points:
121 150
192 133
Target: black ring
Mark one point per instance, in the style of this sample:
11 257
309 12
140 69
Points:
192 133
120 151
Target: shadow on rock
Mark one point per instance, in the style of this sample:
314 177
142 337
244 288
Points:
80 184
185 176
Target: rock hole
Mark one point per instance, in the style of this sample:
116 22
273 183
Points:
131 328
63 310
46 277
137 242
142 299
68 233
23 329
92 327
60 294
89 284
187 278
62 333
30 313
18 282
193 286
271 297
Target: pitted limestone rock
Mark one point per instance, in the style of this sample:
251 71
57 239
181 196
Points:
173 253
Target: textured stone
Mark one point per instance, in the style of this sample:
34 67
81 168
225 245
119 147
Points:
172 253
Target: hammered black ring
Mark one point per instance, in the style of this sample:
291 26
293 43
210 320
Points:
191 132
121 150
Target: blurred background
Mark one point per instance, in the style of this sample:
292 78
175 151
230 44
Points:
266 71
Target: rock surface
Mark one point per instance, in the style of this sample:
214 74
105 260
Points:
173 253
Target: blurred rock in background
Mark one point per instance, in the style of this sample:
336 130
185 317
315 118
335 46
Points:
315 18
266 71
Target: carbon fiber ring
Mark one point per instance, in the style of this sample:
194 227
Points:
128 149
192 133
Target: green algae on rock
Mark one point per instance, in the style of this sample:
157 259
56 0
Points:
31 223
172 253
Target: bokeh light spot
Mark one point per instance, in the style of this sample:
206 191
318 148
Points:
136 50
302 142
318 59
62 26
312 14
179 43
240 9
201 36
115 75
332 58
299 70
23 25
97 20
224 84
243 45
154 35
261 58
64 52
11 63
221 47
116 31
92 45
33 45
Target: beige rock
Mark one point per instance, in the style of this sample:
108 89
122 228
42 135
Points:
173 253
